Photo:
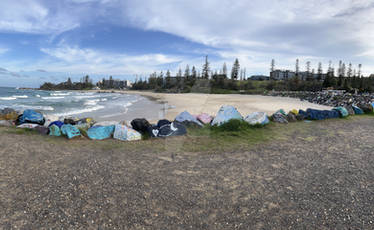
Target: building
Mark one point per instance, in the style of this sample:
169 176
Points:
259 78
278 75
113 84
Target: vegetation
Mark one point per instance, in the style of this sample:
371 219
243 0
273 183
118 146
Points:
84 84
219 82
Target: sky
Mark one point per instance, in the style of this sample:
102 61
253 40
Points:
43 40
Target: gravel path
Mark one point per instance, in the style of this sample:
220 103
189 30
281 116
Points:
321 178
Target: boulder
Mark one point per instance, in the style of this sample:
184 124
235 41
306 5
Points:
70 131
54 130
141 125
204 118
31 116
358 111
257 118
172 129
187 119
279 118
100 132
225 114
291 117
342 111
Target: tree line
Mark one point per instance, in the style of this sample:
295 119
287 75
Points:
192 80
85 83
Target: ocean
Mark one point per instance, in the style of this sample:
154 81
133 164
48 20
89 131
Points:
100 106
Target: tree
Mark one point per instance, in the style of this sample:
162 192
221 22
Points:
168 73
179 74
69 84
187 72
235 70
206 68
193 72
309 77
340 68
359 70
343 70
308 67
111 82
297 68
349 72
224 70
319 71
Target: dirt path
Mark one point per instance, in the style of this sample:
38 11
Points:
322 178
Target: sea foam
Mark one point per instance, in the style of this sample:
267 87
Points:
7 98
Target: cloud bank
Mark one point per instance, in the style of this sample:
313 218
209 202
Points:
255 31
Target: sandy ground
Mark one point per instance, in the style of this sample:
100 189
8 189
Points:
210 103
320 177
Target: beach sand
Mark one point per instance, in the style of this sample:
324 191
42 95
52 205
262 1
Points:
210 103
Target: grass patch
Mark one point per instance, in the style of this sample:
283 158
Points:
232 136
19 131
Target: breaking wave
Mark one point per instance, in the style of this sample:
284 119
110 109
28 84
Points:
35 107
52 98
75 112
60 94
20 96
7 98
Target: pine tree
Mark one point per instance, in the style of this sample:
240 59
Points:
206 68
319 71
340 68
349 72
168 73
343 70
187 72
179 74
224 70
308 75
111 82
235 70
297 68
193 72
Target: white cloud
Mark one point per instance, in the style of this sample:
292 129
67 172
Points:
75 59
255 31
317 27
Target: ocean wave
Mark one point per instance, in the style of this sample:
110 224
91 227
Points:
37 95
7 98
92 102
20 96
36 107
75 112
84 96
104 99
60 94
52 98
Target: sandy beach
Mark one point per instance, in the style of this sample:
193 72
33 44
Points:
210 103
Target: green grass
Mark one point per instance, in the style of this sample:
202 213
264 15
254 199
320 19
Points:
233 136
13 130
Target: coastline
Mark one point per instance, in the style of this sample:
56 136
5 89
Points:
197 103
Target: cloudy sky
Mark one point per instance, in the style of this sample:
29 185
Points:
43 40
